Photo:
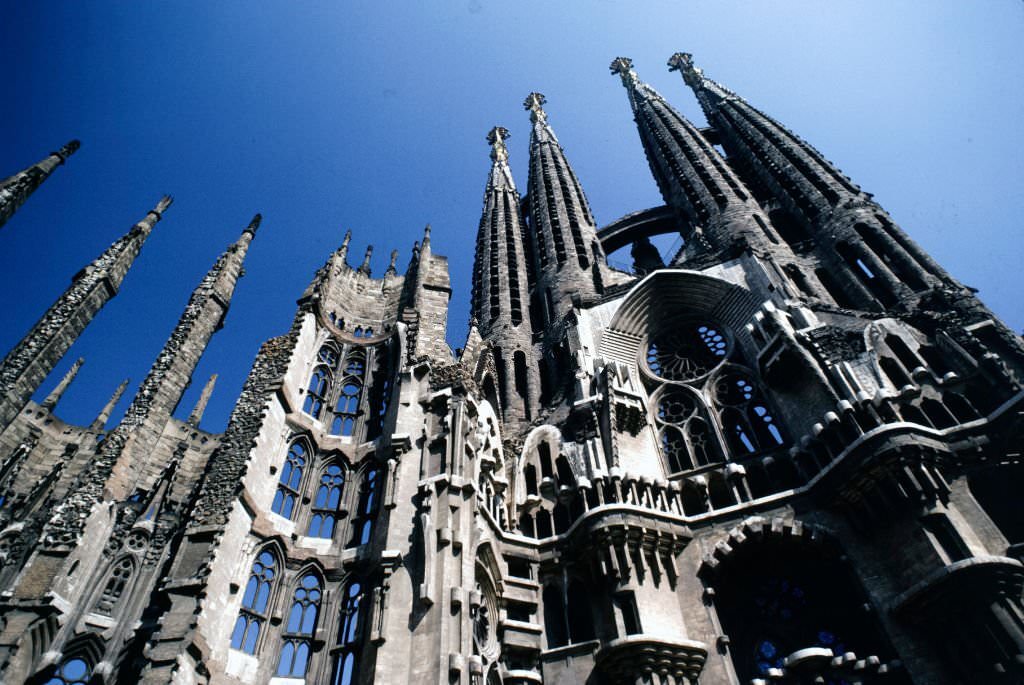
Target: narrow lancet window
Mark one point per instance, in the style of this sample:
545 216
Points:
255 603
291 480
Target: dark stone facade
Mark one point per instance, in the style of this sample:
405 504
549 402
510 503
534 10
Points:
788 453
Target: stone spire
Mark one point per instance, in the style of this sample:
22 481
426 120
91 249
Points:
124 460
197 412
391 270
822 204
54 397
787 164
365 266
500 288
15 189
342 253
108 408
568 256
34 357
693 178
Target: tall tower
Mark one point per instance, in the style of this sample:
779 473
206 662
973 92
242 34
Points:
88 539
719 214
501 288
14 190
866 260
568 258
28 364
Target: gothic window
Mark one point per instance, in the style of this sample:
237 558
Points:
345 409
747 422
326 503
291 480
366 511
299 630
116 584
350 634
328 354
355 365
685 362
316 393
686 351
255 603
73 671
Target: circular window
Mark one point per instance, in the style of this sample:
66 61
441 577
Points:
485 618
686 350
675 405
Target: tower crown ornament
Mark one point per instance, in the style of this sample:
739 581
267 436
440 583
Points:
535 103
496 137
623 66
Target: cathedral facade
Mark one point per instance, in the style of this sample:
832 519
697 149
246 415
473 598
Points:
789 453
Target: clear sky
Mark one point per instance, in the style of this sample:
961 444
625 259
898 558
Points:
372 116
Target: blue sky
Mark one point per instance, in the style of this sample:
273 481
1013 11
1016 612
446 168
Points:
372 116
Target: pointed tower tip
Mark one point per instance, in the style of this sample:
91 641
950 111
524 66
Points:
426 235
365 266
497 137
535 103
69 149
680 61
253 225
162 205
621 65
683 63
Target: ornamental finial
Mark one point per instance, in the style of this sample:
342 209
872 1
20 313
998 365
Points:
253 225
365 266
496 137
535 103
683 63
623 66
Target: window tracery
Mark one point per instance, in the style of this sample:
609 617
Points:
300 628
291 481
116 584
705 404
255 603
350 634
366 510
327 503
316 392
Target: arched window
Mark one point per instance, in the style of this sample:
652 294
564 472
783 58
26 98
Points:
326 503
316 393
350 633
291 480
71 671
366 511
119 577
355 365
298 632
255 603
747 423
328 355
346 409
530 475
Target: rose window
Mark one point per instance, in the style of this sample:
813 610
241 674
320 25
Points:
686 351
